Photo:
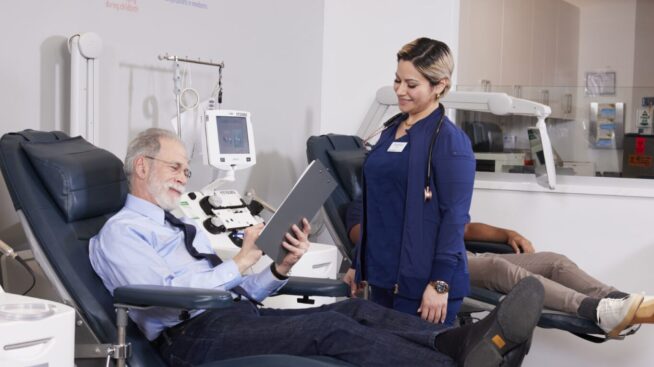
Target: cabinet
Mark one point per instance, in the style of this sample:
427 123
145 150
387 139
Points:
543 38
480 41
517 43
526 48
567 45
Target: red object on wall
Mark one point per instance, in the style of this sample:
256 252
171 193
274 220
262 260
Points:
640 145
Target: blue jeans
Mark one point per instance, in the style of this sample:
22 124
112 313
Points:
387 298
356 331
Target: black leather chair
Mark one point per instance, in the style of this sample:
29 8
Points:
64 189
344 155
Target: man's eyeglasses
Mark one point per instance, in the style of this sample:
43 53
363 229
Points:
174 166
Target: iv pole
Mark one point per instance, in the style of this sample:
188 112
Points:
177 79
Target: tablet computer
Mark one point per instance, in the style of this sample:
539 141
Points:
303 201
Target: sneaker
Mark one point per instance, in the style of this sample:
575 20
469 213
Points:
645 312
630 330
507 327
614 315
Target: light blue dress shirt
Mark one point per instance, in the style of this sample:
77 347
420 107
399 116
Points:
137 246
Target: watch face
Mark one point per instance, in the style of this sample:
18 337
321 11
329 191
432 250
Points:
440 286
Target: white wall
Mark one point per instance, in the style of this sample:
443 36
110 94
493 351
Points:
361 39
311 68
607 236
300 67
272 52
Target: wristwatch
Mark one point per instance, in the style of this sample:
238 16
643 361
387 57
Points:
440 286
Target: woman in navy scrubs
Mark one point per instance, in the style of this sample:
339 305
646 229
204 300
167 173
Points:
418 181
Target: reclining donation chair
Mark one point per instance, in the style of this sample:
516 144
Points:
344 156
64 189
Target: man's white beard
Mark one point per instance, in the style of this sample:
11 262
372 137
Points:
159 190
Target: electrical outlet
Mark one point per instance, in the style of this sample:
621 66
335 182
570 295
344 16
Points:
647 101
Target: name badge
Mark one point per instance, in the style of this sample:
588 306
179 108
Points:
397 147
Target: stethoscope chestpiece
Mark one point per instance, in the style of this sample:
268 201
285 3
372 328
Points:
427 193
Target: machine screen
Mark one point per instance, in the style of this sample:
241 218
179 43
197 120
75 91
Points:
536 145
232 135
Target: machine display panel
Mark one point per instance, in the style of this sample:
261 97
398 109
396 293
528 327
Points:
228 140
232 135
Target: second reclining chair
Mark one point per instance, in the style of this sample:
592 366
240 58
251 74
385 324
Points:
344 156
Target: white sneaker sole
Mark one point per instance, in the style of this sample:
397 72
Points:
628 318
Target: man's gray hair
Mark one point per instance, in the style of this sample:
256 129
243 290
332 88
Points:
146 143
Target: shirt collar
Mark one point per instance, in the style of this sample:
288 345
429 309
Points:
145 208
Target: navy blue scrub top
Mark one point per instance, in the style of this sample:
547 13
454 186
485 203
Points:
386 185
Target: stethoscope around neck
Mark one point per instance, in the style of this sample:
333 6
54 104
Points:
394 121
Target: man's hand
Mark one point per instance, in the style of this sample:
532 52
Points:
518 242
249 253
297 244
349 279
433 307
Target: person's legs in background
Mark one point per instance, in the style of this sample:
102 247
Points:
564 271
499 273
567 287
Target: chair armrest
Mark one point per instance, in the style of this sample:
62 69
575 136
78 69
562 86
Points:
567 322
483 246
304 286
549 319
485 295
173 297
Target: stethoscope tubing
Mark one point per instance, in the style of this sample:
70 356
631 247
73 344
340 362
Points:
393 121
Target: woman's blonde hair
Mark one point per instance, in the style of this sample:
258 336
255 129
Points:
431 58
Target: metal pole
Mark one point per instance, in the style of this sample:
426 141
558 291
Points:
178 96
121 323
198 61
177 80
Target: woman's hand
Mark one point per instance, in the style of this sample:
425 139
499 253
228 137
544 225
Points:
349 279
433 307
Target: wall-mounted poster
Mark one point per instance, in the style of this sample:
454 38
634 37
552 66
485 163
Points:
606 125
600 83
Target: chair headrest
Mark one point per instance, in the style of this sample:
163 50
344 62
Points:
84 180
348 165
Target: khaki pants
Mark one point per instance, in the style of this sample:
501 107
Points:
565 284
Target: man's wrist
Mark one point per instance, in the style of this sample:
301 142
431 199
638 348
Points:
277 273
240 264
